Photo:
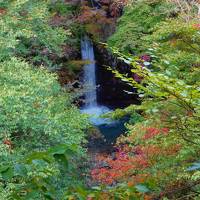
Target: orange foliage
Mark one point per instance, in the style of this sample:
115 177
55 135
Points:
129 162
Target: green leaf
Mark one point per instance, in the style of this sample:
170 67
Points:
8 173
39 156
63 149
62 159
58 150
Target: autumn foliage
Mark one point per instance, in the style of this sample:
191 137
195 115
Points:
128 159
100 20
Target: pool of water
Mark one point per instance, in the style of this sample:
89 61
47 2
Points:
111 129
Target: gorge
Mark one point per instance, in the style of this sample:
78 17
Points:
99 100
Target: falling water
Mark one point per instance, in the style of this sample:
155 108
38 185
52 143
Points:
91 106
109 128
89 72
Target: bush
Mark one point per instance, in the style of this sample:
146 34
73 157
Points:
26 32
139 20
35 115
34 110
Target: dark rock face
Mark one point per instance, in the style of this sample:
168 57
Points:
111 91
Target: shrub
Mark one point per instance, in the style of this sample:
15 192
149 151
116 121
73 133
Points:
34 109
139 20
37 116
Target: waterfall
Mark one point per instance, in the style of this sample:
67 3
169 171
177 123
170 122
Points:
89 76
91 106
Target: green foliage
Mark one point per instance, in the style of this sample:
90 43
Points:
178 49
34 108
169 91
140 19
37 175
26 32
36 115
61 7
119 192
41 132
135 118
172 82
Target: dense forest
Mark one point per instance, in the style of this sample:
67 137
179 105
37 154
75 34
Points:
99 100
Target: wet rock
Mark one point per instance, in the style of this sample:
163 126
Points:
113 92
